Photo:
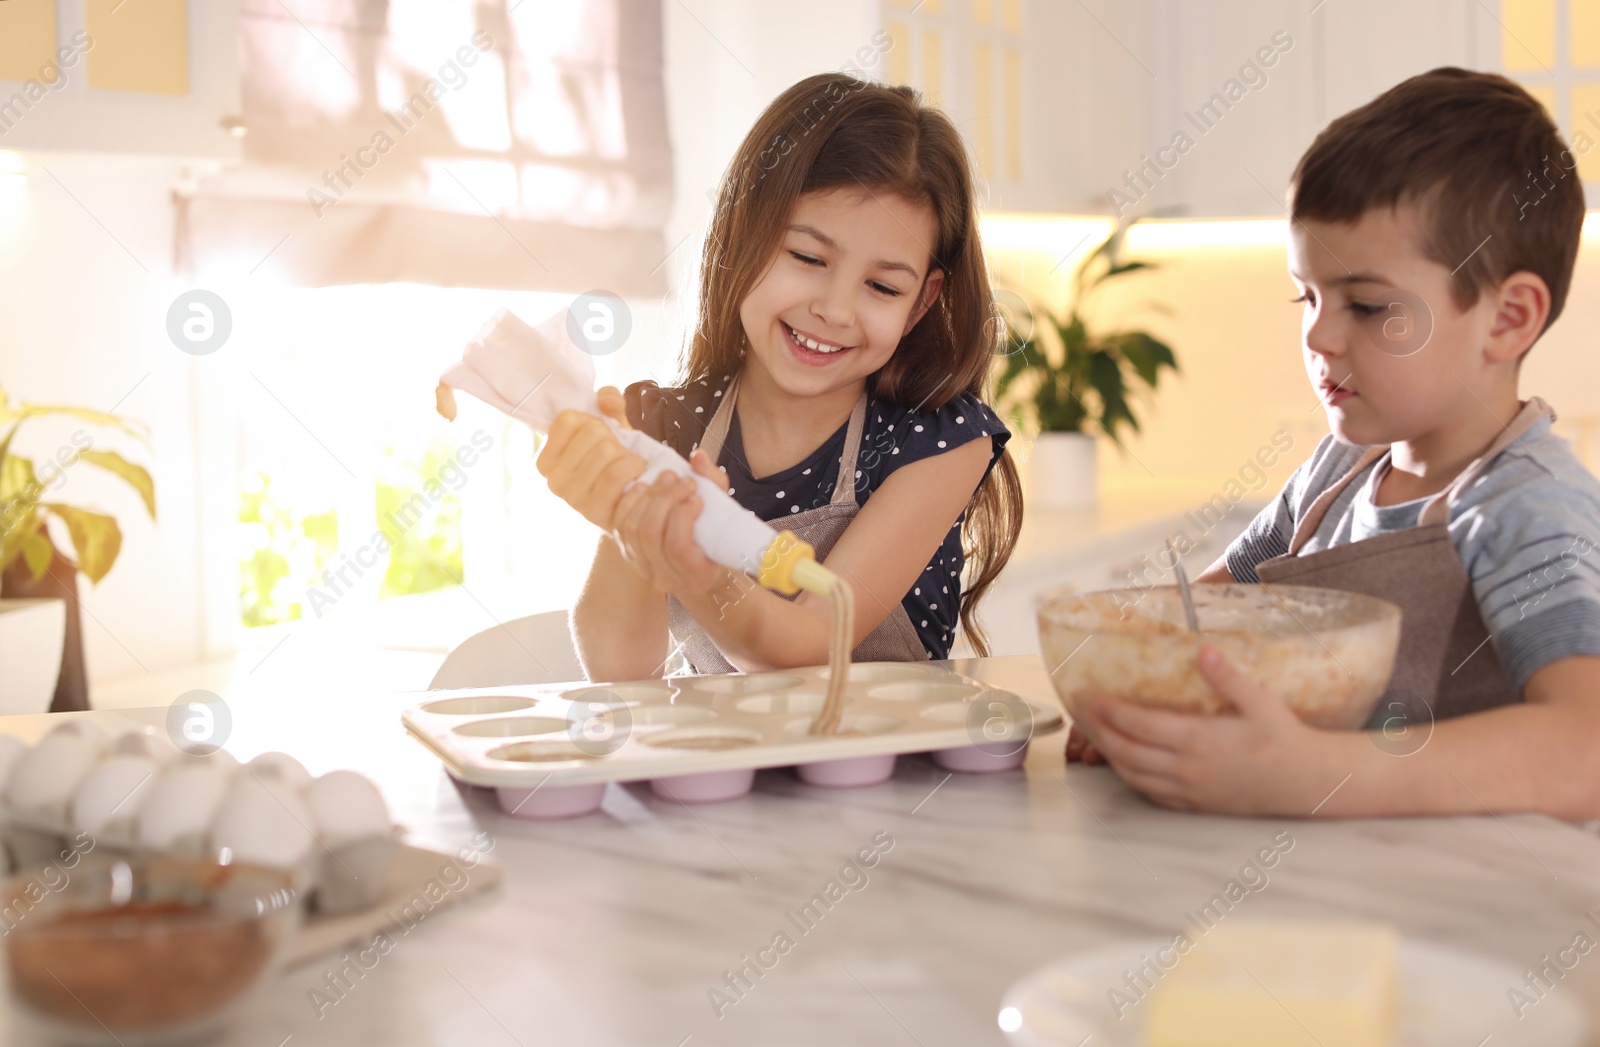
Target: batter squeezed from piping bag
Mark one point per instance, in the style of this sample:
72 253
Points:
844 627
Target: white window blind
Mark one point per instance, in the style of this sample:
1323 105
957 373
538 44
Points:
516 144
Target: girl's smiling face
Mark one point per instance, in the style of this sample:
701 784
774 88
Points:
850 278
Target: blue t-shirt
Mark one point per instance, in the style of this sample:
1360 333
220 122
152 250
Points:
894 436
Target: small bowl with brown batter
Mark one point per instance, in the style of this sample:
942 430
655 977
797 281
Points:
143 950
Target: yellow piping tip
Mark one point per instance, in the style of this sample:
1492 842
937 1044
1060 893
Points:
780 562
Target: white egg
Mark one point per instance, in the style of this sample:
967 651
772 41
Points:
217 758
264 823
11 747
147 742
113 790
182 801
347 807
51 771
282 767
88 730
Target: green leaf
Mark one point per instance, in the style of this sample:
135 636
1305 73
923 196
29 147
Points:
95 536
38 552
15 530
1073 335
1147 355
1107 249
5 445
1105 374
1090 385
1060 408
1118 270
136 475
137 430
16 478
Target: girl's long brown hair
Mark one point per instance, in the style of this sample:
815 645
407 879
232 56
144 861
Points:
834 131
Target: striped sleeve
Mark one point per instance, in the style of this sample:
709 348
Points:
1270 532
1565 630
1266 537
1529 535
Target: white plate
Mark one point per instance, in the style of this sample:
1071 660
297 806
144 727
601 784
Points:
1448 998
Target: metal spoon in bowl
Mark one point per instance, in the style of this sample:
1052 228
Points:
1183 589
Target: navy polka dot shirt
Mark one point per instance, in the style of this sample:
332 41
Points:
894 436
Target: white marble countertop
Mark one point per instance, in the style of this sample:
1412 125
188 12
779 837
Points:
613 928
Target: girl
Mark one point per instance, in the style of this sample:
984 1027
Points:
843 338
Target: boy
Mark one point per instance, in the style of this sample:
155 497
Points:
1432 238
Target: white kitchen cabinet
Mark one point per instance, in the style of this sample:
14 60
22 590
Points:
76 116
1170 107
1371 45
1330 58
1028 83
1234 109
1094 79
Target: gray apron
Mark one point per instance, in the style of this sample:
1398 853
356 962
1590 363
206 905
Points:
1446 665
894 640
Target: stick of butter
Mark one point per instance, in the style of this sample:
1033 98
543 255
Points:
1281 984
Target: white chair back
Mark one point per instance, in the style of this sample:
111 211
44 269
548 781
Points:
533 650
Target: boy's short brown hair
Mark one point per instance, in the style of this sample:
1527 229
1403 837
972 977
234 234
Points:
1497 188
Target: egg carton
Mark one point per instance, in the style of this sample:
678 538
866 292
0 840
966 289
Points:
550 750
138 794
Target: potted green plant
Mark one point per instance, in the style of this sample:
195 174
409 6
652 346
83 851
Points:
34 571
1063 380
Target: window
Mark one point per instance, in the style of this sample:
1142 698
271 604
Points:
401 159
294 563
464 143
342 502
1552 47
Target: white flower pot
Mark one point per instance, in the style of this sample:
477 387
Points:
32 633
1062 471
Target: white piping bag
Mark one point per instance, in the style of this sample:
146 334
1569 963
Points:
533 374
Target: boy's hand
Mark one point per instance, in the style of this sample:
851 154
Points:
1080 748
655 530
585 464
1264 760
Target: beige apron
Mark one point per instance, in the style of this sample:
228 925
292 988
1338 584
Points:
894 640
1446 665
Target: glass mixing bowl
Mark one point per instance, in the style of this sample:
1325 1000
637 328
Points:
1328 653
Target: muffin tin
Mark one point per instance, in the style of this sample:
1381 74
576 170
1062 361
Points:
550 750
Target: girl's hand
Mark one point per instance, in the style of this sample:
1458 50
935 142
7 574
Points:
1264 760
655 531
585 464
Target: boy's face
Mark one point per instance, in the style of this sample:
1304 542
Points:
850 278
1388 351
